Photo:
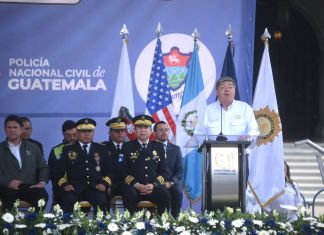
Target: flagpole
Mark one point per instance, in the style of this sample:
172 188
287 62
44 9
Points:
195 36
124 33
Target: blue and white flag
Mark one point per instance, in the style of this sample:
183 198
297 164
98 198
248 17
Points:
266 161
191 112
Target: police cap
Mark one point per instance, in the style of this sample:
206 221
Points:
85 124
116 123
143 120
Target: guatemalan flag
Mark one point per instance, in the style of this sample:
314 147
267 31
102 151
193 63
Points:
191 112
159 100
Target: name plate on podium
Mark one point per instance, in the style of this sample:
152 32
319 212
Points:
224 174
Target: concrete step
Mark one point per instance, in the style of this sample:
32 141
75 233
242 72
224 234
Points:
305 172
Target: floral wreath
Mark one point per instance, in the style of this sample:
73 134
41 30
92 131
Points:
193 122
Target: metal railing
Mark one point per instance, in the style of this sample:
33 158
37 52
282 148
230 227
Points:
320 166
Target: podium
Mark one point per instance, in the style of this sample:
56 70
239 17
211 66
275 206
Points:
224 174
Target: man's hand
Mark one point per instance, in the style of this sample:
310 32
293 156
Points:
14 184
68 188
141 188
101 187
149 188
41 184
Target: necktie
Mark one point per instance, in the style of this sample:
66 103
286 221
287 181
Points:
84 149
118 147
144 146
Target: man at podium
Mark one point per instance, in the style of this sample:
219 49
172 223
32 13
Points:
227 117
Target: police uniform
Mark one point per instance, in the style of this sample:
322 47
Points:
115 124
84 171
145 166
54 157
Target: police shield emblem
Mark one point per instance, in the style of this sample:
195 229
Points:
176 66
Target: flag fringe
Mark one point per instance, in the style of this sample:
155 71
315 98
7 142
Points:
269 201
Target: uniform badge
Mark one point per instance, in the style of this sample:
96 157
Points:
98 168
96 156
73 155
154 152
28 152
134 156
156 158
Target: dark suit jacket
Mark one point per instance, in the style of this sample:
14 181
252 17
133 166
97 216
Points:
174 162
113 153
34 168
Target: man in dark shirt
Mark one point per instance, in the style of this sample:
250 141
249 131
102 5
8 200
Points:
117 133
84 171
26 133
175 166
143 169
69 132
23 169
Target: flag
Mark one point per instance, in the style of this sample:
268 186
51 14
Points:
159 100
229 68
266 161
191 112
123 86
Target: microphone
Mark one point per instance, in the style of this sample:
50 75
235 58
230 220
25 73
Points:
220 136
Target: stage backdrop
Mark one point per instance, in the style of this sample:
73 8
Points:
60 61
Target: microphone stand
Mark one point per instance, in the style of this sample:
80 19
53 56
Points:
220 136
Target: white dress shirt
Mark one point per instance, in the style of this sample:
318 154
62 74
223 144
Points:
238 120
15 150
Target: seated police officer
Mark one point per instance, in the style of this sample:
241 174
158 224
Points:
117 133
143 169
69 137
84 171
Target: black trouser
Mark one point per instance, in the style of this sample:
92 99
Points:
176 200
160 196
24 193
95 197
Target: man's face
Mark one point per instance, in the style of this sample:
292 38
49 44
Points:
85 136
70 136
143 133
13 131
162 132
27 130
226 92
117 135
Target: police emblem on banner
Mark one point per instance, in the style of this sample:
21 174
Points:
269 125
176 66
176 49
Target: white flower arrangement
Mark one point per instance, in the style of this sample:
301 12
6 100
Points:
229 221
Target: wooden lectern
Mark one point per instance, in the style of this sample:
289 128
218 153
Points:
224 174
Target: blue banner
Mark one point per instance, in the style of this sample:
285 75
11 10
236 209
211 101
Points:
60 61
